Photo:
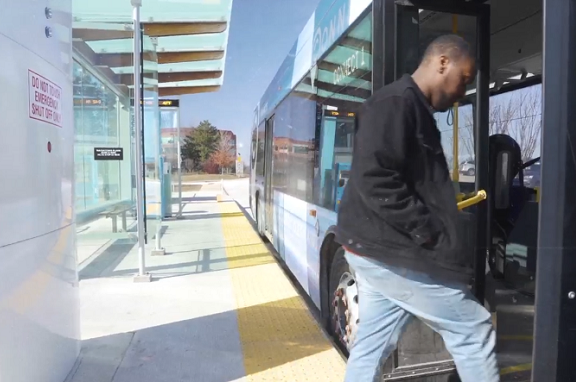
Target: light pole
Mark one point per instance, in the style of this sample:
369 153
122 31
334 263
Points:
179 150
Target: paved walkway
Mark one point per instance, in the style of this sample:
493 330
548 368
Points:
219 309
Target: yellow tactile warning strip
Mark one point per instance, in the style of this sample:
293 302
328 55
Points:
152 208
281 341
516 369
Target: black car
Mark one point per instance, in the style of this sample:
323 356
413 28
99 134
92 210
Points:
532 175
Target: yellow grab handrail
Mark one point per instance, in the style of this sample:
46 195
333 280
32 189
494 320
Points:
480 196
462 196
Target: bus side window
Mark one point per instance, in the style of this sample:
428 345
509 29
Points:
253 147
260 150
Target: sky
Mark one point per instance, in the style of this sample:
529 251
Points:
260 37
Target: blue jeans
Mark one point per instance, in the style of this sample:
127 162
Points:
389 298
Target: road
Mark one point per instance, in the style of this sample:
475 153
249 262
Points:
239 190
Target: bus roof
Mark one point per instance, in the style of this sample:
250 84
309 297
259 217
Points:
328 22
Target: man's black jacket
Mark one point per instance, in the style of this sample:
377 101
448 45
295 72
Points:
399 205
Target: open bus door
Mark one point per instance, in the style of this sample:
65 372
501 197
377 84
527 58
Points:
540 334
408 27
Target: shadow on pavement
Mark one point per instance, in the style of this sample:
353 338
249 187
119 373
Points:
203 265
207 349
104 264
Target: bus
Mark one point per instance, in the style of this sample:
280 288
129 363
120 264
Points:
302 142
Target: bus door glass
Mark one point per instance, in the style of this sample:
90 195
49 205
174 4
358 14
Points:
268 197
336 155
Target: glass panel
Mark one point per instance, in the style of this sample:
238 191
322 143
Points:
105 189
169 121
293 146
344 81
260 150
465 141
105 214
253 147
104 201
158 174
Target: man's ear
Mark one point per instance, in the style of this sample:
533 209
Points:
443 64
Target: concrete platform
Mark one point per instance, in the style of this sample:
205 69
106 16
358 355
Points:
219 308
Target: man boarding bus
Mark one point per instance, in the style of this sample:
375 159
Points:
398 222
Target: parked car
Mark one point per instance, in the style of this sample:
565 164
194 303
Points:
532 175
468 167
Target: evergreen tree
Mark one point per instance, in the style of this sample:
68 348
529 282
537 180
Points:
201 142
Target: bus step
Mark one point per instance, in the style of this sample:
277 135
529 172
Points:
443 371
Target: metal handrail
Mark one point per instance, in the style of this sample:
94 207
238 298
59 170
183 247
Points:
472 200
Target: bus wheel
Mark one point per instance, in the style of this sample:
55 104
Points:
344 307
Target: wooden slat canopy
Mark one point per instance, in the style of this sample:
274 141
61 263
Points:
150 29
128 78
107 62
182 90
117 60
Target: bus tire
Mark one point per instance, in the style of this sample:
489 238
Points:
343 277
343 291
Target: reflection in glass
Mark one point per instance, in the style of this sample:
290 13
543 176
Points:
96 117
344 83
293 146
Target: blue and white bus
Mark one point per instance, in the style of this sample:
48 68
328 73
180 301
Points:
303 135
304 125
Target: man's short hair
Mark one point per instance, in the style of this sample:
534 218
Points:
450 45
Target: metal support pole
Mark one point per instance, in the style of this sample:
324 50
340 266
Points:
142 275
455 137
179 150
158 250
481 151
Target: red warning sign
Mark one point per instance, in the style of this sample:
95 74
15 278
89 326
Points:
45 99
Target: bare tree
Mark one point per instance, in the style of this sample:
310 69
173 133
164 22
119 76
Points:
224 154
519 116
466 134
528 124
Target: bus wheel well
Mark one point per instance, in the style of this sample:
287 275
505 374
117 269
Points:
327 252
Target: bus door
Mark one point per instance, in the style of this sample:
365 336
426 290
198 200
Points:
408 29
268 191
